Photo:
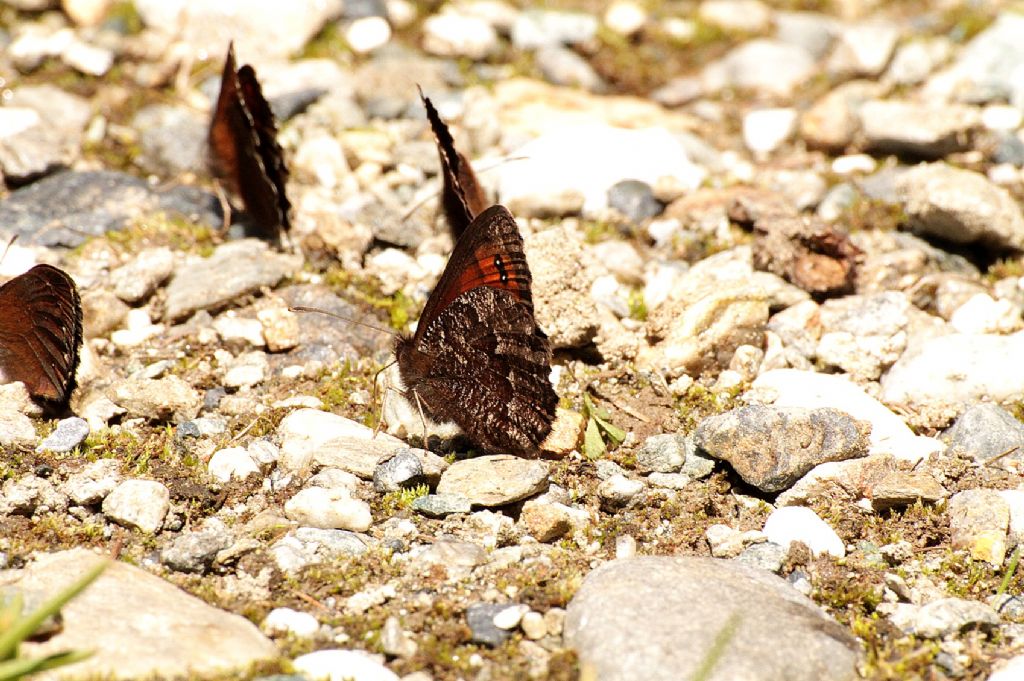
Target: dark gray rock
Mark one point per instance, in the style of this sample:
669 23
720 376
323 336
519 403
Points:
70 433
635 200
234 270
986 431
771 448
404 469
480 618
662 615
441 505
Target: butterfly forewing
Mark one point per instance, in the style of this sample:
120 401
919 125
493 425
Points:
462 195
41 332
243 151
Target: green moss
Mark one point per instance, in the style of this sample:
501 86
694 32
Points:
392 502
637 305
124 13
866 214
700 402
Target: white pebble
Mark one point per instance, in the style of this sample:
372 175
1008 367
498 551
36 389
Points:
367 34
232 463
455 35
798 523
140 504
765 130
625 17
854 163
284 621
625 546
982 314
328 509
343 665
509 618
533 625
1001 117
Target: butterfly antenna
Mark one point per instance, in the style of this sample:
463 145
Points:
7 247
303 308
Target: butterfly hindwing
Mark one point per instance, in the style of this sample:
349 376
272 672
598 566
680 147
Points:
41 333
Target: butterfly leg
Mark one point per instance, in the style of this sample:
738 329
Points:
225 207
423 418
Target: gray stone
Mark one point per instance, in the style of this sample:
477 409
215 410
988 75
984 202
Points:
495 480
979 520
947 616
664 614
195 551
924 130
94 482
767 65
987 68
158 399
235 269
635 200
70 433
401 470
480 618
312 546
617 491
765 556
562 66
665 453
172 139
138 504
51 124
176 641
864 49
960 206
771 448
985 431
441 505
136 281
863 335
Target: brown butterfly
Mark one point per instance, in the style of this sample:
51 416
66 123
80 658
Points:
243 153
41 333
478 357
462 197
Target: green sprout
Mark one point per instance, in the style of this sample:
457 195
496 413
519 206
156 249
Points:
599 430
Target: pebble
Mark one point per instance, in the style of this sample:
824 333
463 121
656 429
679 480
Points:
233 463
635 200
480 619
769 66
343 665
533 625
366 34
864 334
798 523
979 520
945 616
91 484
196 551
31 495
307 546
247 370
765 130
136 281
456 35
328 509
313 437
138 504
495 480
764 556
772 447
68 434
285 622
625 17
402 470
985 431
164 399
545 522
664 453
536 28
741 16
1009 670
561 66
864 49
661 600
899 489
982 314
394 640
441 505
617 491
509 617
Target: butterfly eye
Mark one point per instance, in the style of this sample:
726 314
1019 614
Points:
499 265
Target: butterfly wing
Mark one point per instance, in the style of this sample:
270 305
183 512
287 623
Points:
41 333
462 195
477 357
242 150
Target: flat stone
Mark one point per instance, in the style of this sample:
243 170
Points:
495 480
985 431
29 495
947 616
137 280
328 509
441 505
766 65
864 334
960 206
158 399
310 437
771 448
307 546
235 269
901 488
195 551
176 641
70 433
138 504
343 665
663 615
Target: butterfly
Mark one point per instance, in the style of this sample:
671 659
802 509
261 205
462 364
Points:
41 333
243 153
462 196
477 357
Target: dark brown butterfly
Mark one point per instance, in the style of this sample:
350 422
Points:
477 357
243 153
462 197
41 333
